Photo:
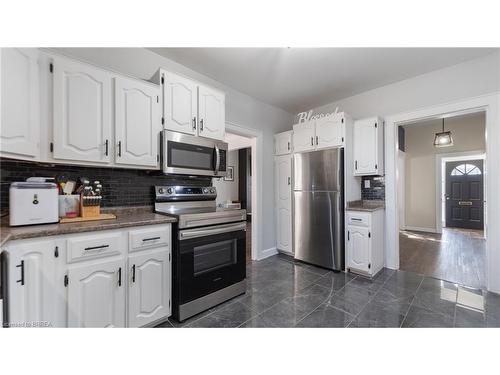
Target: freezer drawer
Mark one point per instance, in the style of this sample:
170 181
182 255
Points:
318 228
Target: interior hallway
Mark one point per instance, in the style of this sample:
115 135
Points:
456 255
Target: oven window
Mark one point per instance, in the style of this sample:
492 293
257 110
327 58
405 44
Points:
215 255
182 155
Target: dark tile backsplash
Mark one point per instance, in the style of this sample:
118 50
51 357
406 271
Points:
376 191
121 187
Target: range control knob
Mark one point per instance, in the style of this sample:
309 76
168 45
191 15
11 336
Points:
161 190
170 190
205 191
212 190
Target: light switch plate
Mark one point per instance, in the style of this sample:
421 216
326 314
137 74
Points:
367 184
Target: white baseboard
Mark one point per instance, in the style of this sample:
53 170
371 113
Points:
421 229
267 253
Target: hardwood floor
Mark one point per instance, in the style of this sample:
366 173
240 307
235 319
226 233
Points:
456 255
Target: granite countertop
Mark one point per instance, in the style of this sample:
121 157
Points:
125 217
366 205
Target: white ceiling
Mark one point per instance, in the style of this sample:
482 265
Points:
297 79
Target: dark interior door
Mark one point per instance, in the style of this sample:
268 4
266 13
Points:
464 194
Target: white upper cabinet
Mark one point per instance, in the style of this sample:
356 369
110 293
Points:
283 143
82 112
304 136
321 133
96 295
137 122
330 131
283 201
180 103
19 102
369 147
211 112
149 287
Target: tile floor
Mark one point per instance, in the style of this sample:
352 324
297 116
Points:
283 293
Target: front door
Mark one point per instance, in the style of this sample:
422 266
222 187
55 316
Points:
464 194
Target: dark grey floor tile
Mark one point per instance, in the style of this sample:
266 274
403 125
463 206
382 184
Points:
283 314
326 316
440 300
366 283
403 282
263 299
383 275
378 315
334 281
258 322
231 316
396 301
165 324
419 317
469 318
432 284
351 299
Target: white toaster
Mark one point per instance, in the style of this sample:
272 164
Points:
33 203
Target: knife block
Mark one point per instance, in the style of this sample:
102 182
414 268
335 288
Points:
89 211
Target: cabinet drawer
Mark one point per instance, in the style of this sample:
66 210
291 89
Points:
146 238
94 246
358 218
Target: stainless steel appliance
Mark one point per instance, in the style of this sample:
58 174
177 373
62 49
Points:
318 204
195 156
209 245
32 202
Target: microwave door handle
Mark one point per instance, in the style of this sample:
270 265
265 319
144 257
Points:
217 159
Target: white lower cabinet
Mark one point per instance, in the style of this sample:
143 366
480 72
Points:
96 294
34 294
365 242
90 279
149 286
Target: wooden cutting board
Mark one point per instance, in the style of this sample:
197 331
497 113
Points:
79 219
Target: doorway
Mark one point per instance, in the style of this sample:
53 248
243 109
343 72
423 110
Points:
237 188
442 192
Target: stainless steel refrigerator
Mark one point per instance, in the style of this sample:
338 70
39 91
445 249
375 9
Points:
318 204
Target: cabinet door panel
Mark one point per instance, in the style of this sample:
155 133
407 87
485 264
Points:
329 132
95 298
211 109
283 143
365 147
358 248
137 120
304 136
19 102
283 172
32 285
82 112
149 287
180 104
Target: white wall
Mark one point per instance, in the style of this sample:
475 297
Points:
465 80
420 183
228 190
241 109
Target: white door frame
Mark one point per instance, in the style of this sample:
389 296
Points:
440 160
490 104
256 137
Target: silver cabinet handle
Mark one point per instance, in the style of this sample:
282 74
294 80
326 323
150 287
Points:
204 232
217 159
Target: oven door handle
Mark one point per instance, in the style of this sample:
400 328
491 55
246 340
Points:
204 232
217 159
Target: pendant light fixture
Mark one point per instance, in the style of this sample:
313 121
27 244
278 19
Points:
443 139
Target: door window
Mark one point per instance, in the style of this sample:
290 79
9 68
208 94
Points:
182 155
465 169
216 255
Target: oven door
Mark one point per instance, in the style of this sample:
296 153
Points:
211 258
189 155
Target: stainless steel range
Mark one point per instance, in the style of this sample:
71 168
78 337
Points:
209 245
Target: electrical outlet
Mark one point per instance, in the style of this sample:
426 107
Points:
367 184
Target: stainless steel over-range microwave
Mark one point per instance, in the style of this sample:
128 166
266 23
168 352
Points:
195 156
